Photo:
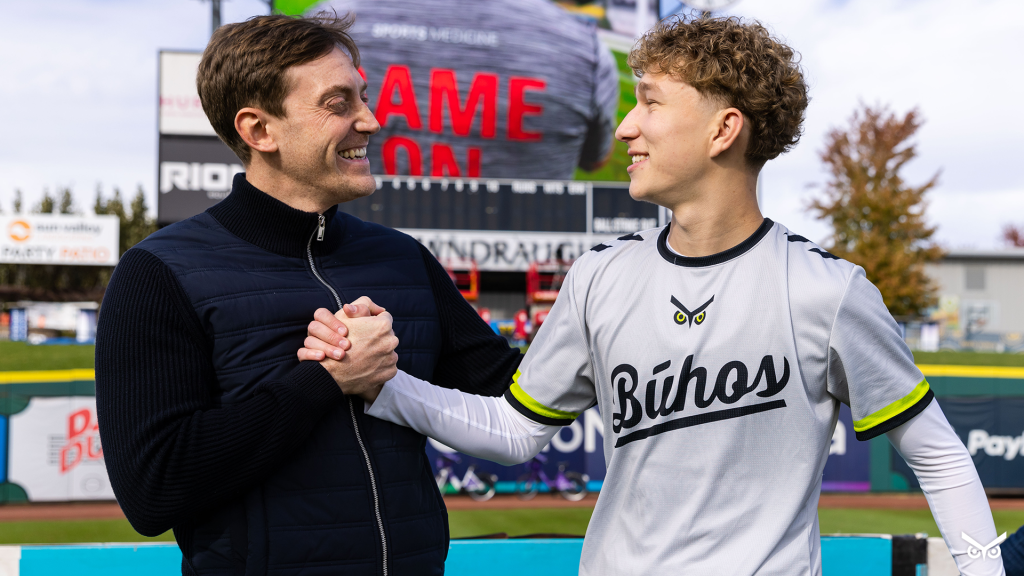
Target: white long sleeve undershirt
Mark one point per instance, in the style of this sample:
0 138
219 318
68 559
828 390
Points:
490 428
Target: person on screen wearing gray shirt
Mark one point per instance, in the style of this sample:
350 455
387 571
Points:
495 89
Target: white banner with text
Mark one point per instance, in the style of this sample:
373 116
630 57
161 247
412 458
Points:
59 239
501 251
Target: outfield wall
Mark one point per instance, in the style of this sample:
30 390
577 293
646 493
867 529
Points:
50 449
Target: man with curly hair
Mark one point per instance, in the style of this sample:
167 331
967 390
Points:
719 348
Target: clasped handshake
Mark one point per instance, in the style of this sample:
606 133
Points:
356 345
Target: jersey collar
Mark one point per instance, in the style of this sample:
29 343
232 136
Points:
713 259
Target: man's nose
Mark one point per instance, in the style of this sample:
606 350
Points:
627 129
366 122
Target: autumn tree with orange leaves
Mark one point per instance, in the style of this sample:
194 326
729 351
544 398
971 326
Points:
1013 236
877 218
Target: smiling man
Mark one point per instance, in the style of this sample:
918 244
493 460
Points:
210 425
718 348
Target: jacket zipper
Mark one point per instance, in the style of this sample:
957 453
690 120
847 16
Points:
319 232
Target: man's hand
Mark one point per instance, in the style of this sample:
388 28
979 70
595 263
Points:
325 335
356 346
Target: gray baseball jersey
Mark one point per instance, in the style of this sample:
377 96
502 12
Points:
719 380
494 89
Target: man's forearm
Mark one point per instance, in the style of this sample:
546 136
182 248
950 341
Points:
481 426
950 482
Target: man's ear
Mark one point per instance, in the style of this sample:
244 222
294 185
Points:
251 125
728 128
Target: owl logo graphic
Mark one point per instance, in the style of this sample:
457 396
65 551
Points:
684 316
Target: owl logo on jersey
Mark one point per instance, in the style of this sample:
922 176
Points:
684 316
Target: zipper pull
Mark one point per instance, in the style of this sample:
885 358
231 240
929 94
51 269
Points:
320 229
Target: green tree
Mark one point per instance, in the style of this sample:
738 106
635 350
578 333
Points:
17 201
67 203
877 218
135 222
45 205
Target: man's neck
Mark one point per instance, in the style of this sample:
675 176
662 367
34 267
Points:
273 183
715 221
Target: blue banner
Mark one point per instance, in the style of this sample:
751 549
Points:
848 466
992 429
3 449
579 448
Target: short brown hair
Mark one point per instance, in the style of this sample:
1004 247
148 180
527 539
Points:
245 63
738 64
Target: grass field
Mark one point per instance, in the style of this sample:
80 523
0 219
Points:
466 523
22 356
969 358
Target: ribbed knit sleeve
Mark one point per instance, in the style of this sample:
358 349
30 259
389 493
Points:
473 358
171 451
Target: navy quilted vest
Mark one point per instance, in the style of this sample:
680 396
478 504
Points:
359 497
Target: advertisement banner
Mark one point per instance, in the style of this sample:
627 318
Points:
992 429
195 173
580 448
55 453
59 239
848 466
181 112
3 449
505 251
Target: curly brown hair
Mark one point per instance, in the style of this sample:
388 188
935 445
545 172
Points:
245 65
737 64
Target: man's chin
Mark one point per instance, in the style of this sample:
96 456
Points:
654 195
354 188
639 192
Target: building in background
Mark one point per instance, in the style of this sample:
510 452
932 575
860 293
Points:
981 301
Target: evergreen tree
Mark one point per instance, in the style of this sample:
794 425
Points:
67 203
877 218
45 205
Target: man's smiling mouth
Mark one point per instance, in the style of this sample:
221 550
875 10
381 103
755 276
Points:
353 153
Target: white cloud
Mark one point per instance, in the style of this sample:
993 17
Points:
78 90
957 64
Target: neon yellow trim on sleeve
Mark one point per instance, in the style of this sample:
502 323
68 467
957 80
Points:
893 409
537 407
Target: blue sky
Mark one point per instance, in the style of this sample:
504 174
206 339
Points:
79 97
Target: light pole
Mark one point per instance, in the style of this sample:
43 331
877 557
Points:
214 16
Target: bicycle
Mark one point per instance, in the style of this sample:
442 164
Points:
480 487
571 485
